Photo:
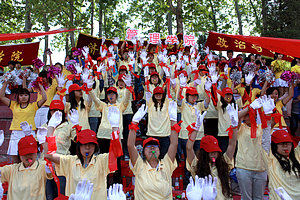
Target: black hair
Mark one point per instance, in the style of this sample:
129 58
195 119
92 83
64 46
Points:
156 102
63 116
73 101
159 81
44 74
18 62
58 63
270 90
294 62
23 91
109 92
229 51
276 55
233 68
257 62
78 144
257 55
11 63
187 96
285 162
225 104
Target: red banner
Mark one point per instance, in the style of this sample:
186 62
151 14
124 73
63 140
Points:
18 36
266 46
23 53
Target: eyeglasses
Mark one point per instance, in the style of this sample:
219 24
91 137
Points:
152 145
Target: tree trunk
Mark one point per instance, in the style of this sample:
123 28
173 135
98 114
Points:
213 17
67 44
100 19
237 10
72 37
169 16
264 17
45 21
179 17
92 17
104 23
28 24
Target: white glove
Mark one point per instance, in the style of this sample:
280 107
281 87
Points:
197 82
249 77
178 65
140 113
113 116
179 54
207 50
103 40
148 96
146 71
208 84
166 70
84 190
131 55
111 49
173 82
1 138
90 82
116 40
211 68
68 84
61 80
78 68
115 192
143 54
165 59
26 128
186 59
142 41
282 193
85 75
214 77
47 169
85 52
194 190
173 58
41 134
226 69
194 65
101 67
165 52
182 80
172 111
200 119
256 104
210 57
160 56
133 40
103 52
233 114
127 80
55 119
267 104
210 188
74 117
1 189
111 62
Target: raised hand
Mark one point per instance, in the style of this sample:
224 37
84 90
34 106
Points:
133 40
210 188
131 55
194 190
113 116
146 71
256 104
182 80
41 134
140 113
60 80
84 190
111 49
111 62
186 59
85 75
127 80
208 84
85 51
55 119
233 114
214 77
142 41
166 70
26 128
116 40
103 52
206 50
101 68
103 40
78 68
226 69
194 65
267 104
74 117
200 119
172 109
249 77
115 192
173 58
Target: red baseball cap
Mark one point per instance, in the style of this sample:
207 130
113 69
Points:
226 90
158 90
281 136
202 67
152 65
122 67
191 91
56 105
113 89
74 87
154 73
27 145
183 72
210 144
74 49
100 58
150 139
87 136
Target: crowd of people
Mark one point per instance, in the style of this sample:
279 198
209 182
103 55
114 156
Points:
225 117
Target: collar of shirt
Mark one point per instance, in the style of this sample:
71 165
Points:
92 161
110 104
158 167
32 167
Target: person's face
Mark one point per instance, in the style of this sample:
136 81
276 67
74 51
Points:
18 66
150 57
297 60
280 56
11 67
122 72
274 95
45 80
151 70
223 59
112 97
258 58
78 93
229 55
263 61
284 148
192 99
57 65
154 79
228 98
257 66
186 53
213 156
152 50
158 96
67 59
125 55
151 151
28 159
252 57
121 84
87 150
23 98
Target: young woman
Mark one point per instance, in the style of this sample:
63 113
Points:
86 164
22 111
27 179
278 66
209 160
152 173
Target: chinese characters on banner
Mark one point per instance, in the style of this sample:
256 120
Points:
131 33
23 53
154 38
189 40
171 39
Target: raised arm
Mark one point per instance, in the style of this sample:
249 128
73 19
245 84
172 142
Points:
3 98
44 96
233 113
290 95
175 129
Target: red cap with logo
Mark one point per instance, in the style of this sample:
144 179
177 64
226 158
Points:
154 73
56 105
281 136
226 90
122 67
183 72
27 145
74 87
87 136
150 139
191 91
152 65
158 90
210 144
113 89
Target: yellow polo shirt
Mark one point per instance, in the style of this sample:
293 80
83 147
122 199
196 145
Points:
279 66
279 106
25 183
105 129
158 120
214 173
296 69
93 111
188 116
248 152
254 92
153 183
64 134
50 92
96 172
121 98
83 114
279 178
22 114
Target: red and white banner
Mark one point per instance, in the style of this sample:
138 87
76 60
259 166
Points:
23 53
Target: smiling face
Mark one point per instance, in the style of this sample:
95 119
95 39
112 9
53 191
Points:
87 150
274 95
121 84
228 97
23 98
192 98
284 148
78 93
154 79
28 159
158 96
